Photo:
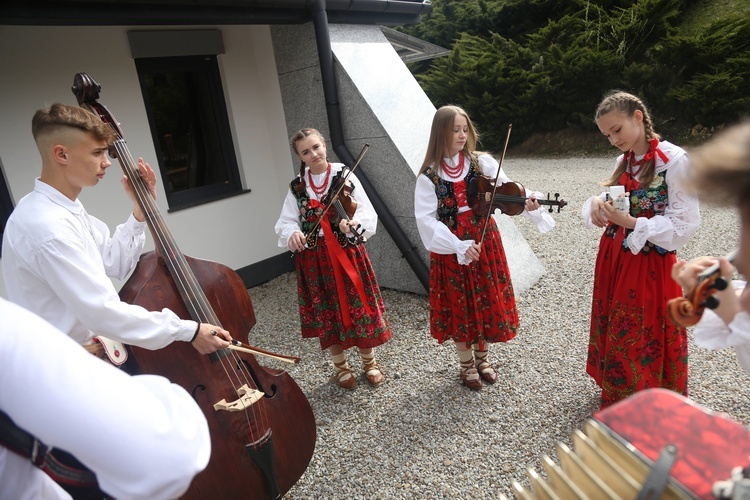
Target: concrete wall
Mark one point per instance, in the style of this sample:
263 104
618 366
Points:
381 104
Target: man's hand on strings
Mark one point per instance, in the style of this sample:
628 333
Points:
149 179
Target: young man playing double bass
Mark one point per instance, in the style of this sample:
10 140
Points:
57 259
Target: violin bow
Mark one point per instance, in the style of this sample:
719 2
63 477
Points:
494 188
338 191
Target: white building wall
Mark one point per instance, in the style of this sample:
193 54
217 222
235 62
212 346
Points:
39 64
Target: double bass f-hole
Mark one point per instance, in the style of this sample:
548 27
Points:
688 310
261 424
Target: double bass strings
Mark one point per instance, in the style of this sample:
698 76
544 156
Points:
186 281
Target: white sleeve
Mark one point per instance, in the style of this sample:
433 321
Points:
365 213
681 217
712 333
143 436
78 280
435 236
586 210
288 222
121 251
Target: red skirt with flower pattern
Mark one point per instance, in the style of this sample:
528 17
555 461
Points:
633 345
475 301
319 305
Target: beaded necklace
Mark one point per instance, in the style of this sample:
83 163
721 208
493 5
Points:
454 171
321 189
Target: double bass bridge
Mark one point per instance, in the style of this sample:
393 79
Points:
248 397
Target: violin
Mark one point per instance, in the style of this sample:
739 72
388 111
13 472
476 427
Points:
333 201
509 197
345 207
687 311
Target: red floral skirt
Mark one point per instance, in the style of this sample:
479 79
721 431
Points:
469 302
320 306
633 344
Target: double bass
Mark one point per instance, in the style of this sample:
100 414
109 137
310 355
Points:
261 424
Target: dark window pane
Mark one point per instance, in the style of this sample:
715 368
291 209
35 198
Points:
189 124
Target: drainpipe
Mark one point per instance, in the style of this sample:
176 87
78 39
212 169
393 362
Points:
330 92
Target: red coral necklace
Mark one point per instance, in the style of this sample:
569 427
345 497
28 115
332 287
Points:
321 189
454 171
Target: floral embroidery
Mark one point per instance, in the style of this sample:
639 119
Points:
311 209
645 202
446 194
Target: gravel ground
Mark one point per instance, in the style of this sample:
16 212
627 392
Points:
422 434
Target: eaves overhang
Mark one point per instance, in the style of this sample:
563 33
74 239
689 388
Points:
208 12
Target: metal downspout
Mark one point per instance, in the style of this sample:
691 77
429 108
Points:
330 91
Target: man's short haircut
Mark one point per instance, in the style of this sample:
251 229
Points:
59 115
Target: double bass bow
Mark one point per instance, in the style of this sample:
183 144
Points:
261 424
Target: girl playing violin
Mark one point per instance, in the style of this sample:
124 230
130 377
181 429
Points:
721 173
339 298
633 344
471 295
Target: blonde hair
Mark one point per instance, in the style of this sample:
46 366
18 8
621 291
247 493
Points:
628 104
720 168
298 136
441 132
58 116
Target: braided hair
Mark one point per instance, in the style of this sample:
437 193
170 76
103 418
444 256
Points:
628 104
298 136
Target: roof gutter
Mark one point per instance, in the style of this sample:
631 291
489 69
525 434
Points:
186 13
330 92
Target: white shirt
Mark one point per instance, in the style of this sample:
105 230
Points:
143 436
712 333
682 215
289 222
435 235
56 262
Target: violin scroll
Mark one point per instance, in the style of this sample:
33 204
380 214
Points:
688 310
557 201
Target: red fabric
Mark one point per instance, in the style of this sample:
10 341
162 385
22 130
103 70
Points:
708 445
459 190
321 309
475 301
633 345
342 265
653 150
